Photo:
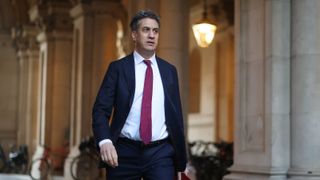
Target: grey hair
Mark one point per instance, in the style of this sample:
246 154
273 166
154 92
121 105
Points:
141 15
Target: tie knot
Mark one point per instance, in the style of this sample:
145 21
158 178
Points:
147 62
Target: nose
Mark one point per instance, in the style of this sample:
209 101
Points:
151 34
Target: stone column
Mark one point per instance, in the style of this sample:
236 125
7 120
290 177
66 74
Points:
24 76
55 40
225 85
262 90
173 41
305 97
9 83
33 54
24 39
94 47
21 45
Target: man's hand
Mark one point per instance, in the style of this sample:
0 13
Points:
189 173
109 154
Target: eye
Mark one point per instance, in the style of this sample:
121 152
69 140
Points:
156 30
145 29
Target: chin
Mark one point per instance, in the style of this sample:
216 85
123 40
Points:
150 49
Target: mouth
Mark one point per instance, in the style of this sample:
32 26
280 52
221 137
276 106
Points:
151 43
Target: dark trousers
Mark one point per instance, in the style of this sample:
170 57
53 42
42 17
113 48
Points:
136 161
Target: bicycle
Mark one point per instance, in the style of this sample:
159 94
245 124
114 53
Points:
51 161
211 159
17 161
3 159
85 165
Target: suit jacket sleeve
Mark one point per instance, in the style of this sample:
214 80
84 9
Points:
103 105
177 99
181 145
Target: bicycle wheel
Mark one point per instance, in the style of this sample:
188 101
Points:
85 167
19 169
39 169
3 160
2 164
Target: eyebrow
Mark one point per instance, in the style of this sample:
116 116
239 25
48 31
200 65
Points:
150 27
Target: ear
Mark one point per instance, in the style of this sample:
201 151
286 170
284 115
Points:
134 35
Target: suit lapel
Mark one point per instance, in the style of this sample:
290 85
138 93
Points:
167 82
130 76
165 75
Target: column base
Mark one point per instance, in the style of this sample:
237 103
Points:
37 155
304 178
254 173
303 174
74 152
240 176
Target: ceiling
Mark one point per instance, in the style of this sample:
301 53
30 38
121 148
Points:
13 13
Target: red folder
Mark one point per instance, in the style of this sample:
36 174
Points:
184 177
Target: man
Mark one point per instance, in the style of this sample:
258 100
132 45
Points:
145 138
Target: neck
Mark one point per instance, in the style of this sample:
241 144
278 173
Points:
145 54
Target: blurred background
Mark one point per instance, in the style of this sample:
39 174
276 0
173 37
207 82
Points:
249 77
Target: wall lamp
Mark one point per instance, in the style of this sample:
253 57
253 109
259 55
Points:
204 30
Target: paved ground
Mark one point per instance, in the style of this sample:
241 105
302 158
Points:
21 177
14 177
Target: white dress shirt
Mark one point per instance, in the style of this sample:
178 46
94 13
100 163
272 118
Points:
132 124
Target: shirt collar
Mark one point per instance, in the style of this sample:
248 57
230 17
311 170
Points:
138 58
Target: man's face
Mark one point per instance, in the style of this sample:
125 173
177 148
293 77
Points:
146 36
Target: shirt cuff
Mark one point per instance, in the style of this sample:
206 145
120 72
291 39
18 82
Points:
104 142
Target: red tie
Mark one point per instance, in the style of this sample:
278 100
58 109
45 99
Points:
146 106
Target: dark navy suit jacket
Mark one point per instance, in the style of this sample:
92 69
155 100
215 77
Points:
116 95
